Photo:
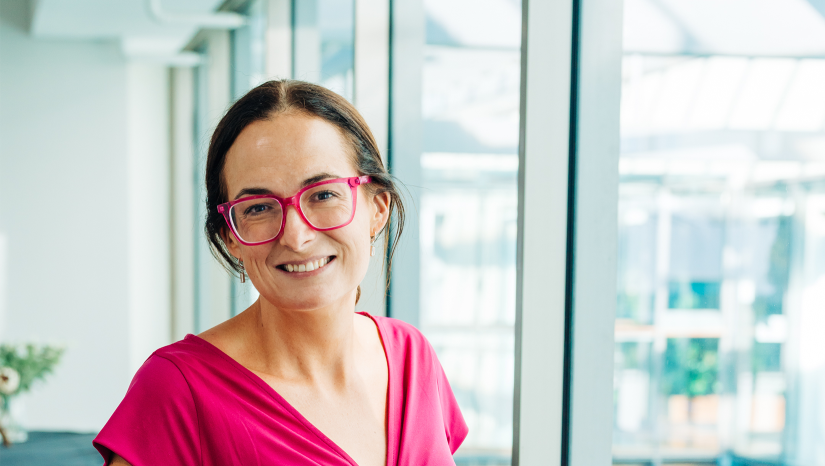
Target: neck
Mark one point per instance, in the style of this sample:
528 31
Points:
305 345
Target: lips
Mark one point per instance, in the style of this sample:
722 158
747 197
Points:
306 266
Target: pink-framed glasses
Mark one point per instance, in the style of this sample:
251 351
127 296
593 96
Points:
324 206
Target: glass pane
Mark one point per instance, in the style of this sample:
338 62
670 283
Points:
324 43
328 205
468 209
248 54
256 220
721 270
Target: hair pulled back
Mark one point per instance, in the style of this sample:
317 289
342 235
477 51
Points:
284 96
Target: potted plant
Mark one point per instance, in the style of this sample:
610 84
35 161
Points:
20 367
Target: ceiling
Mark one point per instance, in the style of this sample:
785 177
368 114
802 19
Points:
779 28
158 34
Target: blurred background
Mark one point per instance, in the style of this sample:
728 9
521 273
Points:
721 295
106 109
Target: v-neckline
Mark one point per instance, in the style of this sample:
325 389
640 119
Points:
390 414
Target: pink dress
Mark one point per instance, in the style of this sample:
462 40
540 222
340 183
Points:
191 404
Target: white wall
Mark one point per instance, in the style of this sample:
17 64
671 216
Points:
65 217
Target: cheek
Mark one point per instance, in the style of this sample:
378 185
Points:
259 251
356 244
355 238
257 257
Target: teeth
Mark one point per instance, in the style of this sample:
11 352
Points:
308 267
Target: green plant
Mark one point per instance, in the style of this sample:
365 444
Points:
20 367
691 366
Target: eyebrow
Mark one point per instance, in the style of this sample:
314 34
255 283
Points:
317 178
259 191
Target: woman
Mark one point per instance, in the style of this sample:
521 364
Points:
296 195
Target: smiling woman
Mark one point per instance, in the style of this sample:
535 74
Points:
296 194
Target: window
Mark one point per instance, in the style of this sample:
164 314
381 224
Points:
463 186
324 44
720 271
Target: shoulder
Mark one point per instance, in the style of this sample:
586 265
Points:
191 346
405 344
157 370
165 377
188 355
159 381
398 329
400 334
158 410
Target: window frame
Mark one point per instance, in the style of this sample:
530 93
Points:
568 156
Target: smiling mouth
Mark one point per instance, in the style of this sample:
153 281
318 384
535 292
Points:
308 266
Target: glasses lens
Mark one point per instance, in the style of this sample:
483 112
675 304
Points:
256 220
328 205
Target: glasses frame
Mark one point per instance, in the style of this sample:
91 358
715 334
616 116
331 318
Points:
295 201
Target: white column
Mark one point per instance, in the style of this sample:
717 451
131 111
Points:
149 292
183 209
567 284
596 230
279 39
219 292
542 237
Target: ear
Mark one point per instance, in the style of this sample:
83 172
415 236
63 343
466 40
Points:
380 211
232 244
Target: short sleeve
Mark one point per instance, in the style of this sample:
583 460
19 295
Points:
454 424
156 423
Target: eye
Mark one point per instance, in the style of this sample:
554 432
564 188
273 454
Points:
256 209
324 195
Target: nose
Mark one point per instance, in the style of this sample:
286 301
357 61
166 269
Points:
296 232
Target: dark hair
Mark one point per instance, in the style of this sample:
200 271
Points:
276 97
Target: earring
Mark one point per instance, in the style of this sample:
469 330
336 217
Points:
243 274
372 245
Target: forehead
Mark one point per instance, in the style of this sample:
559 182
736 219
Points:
280 153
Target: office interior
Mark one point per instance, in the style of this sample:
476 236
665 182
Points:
651 241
